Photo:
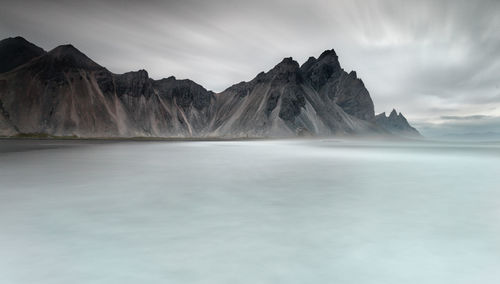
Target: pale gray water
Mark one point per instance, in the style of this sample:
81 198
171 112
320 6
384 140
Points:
249 212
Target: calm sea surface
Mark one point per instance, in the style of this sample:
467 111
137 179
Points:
323 211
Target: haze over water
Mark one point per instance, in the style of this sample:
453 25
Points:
321 211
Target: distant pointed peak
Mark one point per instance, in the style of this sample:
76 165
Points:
15 39
328 57
17 51
141 73
286 65
394 113
70 56
288 60
169 79
65 49
19 42
328 53
68 50
310 61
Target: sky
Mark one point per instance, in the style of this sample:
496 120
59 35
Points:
436 61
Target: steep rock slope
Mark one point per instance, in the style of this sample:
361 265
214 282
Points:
318 98
396 123
65 93
332 83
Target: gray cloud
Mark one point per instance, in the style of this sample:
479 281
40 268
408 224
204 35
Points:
468 117
427 58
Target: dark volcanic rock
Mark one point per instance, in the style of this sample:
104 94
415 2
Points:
285 102
396 124
320 71
63 92
17 51
134 84
327 77
57 64
272 102
287 71
185 93
292 101
67 56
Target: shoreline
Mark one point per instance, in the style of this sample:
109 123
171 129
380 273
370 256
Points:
208 139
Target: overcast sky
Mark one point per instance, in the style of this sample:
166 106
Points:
437 61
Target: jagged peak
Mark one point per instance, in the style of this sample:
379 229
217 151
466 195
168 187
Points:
16 39
394 113
328 58
328 53
310 62
174 80
69 56
288 70
383 114
19 42
288 61
141 73
286 65
17 51
167 80
65 50
396 123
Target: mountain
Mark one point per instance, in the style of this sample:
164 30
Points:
396 123
17 51
332 83
64 93
288 100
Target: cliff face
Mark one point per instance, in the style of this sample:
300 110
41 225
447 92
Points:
396 124
331 82
63 93
291 100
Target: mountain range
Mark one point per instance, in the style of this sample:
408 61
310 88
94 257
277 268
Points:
63 92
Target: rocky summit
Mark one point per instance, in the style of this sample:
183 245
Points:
65 93
396 123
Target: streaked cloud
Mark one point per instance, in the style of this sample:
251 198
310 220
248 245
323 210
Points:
468 117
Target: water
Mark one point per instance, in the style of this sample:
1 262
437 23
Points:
324 211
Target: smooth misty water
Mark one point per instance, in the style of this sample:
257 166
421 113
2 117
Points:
249 212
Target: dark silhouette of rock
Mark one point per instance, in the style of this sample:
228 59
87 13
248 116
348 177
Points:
345 89
64 93
396 123
285 102
17 51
